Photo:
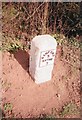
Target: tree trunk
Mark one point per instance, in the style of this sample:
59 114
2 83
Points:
45 18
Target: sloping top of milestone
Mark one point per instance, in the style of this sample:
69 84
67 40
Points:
44 41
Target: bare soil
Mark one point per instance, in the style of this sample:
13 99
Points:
29 99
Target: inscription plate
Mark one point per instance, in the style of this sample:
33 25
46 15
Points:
47 57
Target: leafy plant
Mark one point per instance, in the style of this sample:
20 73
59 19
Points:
61 40
12 45
8 107
74 42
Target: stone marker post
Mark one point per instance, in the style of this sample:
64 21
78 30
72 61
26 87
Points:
42 54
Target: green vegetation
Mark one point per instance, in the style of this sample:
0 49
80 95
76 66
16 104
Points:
6 85
22 21
8 107
8 110
10 45
69 109
62 40
45 117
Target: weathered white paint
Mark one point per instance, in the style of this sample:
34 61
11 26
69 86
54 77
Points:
42 54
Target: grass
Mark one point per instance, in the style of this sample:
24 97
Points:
12 45
61 40
6 85
69 109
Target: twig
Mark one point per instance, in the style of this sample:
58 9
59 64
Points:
15 16
72 28
34 12
26 10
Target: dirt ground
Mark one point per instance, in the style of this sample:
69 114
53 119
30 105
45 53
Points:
28 99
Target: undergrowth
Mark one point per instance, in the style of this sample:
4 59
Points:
12 45
69 109
61 40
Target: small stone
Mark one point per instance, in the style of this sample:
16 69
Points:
58 95
20 95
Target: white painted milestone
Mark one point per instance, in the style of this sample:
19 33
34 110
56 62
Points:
42 55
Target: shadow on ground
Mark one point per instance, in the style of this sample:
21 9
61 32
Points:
23 58
2 114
